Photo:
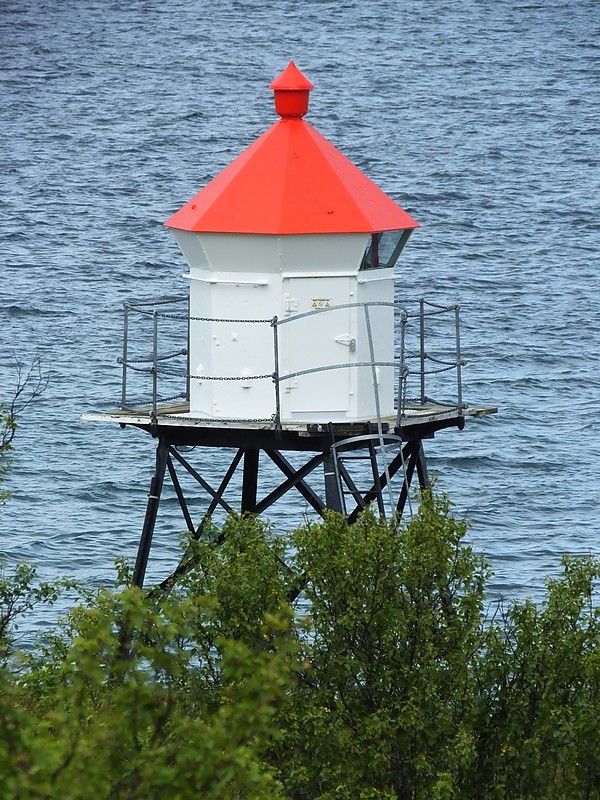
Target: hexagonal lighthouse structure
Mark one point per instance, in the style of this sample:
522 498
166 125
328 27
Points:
288 228
289 355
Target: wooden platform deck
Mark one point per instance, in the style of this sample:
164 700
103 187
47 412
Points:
174 421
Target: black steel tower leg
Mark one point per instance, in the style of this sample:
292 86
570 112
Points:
249 480
376 479
411 451
333 498
156 485
422 468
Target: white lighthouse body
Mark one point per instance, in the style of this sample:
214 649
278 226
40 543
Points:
291 249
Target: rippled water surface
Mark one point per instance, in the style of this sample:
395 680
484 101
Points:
481 119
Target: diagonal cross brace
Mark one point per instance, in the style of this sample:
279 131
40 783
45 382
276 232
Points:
410 450
294 478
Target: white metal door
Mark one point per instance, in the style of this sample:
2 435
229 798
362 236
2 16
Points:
323 339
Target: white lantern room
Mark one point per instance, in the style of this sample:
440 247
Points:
291 252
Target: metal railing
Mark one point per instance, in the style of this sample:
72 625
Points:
427 345
159 364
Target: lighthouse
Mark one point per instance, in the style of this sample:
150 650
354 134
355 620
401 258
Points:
289 228
288 367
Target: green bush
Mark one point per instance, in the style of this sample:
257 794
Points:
123 705
386 678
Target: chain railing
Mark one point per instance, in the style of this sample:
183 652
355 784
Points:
427 345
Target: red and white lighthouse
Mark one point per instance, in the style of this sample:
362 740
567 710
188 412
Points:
291 253
291 230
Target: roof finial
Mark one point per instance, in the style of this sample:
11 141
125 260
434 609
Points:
291 89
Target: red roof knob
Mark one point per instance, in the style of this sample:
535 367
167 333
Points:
291 89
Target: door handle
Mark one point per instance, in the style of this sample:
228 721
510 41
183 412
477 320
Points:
346 340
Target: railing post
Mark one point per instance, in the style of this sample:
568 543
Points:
373 364
125 344
188 347
402 369
154 365
276 373
459 362
377 411
422 348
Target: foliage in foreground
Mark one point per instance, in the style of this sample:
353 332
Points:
30 382
386 681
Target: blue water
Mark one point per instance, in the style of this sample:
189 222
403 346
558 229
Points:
482 119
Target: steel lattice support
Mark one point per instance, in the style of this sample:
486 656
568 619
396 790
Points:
336 484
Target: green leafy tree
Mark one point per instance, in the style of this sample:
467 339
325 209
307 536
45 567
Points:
91 716
386 679
538 694
7 432
20 592
30 382
395 620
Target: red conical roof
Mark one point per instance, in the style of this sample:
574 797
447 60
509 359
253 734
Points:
291 180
